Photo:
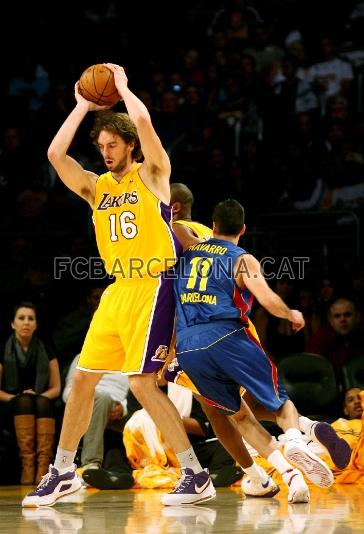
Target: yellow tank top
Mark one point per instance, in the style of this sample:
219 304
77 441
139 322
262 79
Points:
132 227
199 229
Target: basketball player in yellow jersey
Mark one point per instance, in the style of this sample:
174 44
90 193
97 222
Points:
183 226
132 328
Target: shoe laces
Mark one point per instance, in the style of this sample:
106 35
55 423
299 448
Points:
46 478
184 483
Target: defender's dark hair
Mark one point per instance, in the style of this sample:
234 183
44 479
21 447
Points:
229 217
119 124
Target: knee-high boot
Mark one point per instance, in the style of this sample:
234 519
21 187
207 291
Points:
45 440
25 436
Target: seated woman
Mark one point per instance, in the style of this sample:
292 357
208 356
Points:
29 383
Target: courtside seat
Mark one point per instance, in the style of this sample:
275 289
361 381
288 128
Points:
310 382
353 373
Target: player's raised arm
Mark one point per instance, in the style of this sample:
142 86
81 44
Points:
156 169
72 174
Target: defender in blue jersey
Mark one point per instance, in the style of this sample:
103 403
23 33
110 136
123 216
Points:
217 345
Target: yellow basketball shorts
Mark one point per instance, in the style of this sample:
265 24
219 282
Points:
132 328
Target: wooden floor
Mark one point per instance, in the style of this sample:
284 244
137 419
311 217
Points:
339 510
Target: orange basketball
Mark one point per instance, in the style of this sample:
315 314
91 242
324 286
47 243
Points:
97 85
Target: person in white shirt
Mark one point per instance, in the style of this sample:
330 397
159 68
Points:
109 410
332 75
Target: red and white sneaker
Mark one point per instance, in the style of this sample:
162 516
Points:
297 488
315 469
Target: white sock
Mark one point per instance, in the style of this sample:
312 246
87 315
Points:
306 426
188 458
278 461
254 471
293 434
64 460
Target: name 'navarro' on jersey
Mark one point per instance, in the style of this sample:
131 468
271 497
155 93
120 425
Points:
205 287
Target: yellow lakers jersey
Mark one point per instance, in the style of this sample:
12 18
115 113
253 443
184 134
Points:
132 227
199 229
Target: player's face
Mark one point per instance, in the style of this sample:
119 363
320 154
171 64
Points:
353 408
24 323
114 150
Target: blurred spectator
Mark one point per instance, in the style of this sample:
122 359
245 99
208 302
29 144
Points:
346 178
353 46
276 335
69 333
238 116
30 382
192 71
266 53
342 338
293 95
307 305
14 176
301 187
32 213
180 134
359 134
234 19
28 86
250 172
327 292
331 75
298 49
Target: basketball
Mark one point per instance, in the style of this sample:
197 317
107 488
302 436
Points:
97 85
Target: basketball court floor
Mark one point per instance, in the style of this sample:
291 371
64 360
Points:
339 510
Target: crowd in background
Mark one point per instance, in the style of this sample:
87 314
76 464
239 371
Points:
257 100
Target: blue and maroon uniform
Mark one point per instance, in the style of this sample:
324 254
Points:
217 345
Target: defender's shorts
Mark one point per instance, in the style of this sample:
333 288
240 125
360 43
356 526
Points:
222 357
132 327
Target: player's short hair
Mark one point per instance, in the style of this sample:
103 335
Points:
229 217
119 124
181 193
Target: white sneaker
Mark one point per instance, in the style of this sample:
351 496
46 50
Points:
193 488
255 487
297 488
313 467
52 487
